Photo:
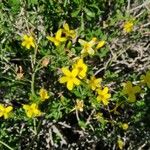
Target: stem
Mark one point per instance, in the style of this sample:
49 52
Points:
34 123
6 145
32 84
77 115
33 62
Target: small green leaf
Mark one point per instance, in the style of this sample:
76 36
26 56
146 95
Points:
82 124
75 13
89 13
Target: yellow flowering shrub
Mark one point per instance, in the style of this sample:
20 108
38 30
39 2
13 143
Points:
84 81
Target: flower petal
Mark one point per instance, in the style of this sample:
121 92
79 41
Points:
76 81
105 90
23 43
91 51
25 37
63 79
58 34
62 39
70 85
52 39
26 107
74 72
8 109
82 42
100 44
66 71
82 74
66 26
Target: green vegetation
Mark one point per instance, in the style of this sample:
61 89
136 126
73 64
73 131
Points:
74 74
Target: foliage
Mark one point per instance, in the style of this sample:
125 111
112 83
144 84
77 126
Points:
74 74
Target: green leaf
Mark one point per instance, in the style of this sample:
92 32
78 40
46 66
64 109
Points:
75 13
82 124
15 5
33 2
89 13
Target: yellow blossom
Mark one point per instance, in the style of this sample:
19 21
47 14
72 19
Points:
125 126
32 110
28 42
68 32
70 77
57 40
100 44
87 46
103 95
120 144
128 26
43 94
94 82
79 105
5 111
81 67
131 90
146 78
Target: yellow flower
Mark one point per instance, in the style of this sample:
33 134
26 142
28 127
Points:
28 42
120 144
5 111
70 77
146 78
103 95
79 105
130 90
68 32
43 94
100 44
87 46
81 67
125 126
57 40
94 83
128 26
32 110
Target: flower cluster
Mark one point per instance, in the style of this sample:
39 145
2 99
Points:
88 46
59 38
73 77
77 73
32 110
